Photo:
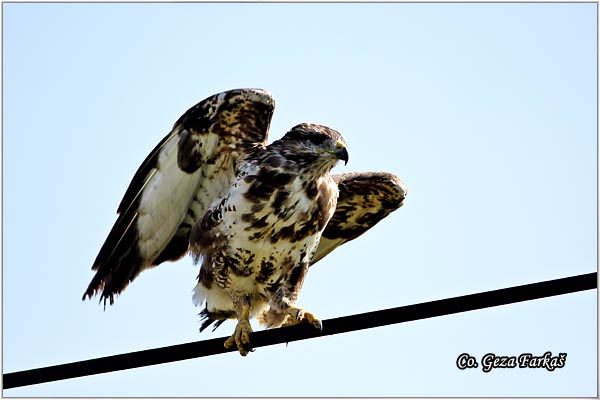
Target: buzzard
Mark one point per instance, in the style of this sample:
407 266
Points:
254 216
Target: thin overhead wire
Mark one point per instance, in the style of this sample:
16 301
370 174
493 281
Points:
332 326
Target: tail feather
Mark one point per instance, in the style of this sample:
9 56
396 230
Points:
208 319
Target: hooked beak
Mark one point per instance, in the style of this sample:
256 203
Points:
342 154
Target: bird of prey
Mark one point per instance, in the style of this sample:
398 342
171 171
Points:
254 216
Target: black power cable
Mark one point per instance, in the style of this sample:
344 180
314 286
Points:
300 332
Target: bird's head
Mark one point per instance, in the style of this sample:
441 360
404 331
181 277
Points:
315 144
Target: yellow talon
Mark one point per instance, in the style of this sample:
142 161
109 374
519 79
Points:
241 335
298 315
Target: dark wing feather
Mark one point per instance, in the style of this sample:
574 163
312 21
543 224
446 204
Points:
150 227
365 199
120 242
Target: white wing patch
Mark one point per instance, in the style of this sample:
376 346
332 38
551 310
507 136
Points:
165 199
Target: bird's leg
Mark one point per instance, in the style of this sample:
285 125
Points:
296 315
275 317
283 312
243 329
271 318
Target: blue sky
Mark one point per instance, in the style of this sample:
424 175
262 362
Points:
486 111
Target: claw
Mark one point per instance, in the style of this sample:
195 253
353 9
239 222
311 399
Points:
229 342
317 323
240 338
302 316
314 321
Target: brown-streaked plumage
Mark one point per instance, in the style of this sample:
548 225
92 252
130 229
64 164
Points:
365 199
254 216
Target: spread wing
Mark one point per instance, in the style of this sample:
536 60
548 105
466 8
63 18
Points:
365 199
191 167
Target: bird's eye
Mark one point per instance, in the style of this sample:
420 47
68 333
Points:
316 139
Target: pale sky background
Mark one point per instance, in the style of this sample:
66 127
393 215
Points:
486 111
